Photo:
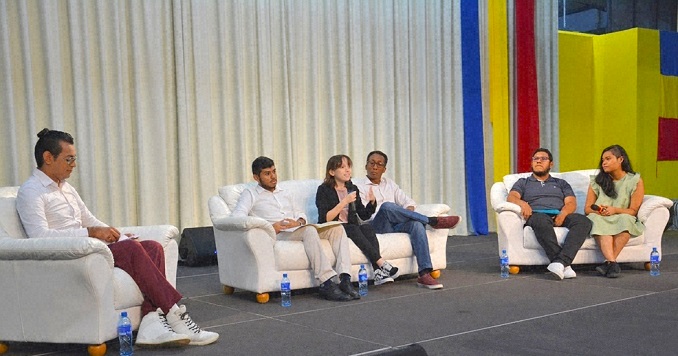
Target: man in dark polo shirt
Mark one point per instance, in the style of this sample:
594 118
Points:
547 202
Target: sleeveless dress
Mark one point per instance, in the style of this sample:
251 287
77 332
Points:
614 224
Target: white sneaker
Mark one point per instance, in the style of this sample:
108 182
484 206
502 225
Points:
381 277
179 320
557 270
569 273
154 331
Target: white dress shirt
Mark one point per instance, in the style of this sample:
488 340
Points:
386 191
48 209
270 206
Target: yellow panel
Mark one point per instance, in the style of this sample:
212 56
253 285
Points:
648 107
668 98
499 87
576 97
611 92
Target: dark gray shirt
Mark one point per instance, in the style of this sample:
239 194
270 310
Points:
549 194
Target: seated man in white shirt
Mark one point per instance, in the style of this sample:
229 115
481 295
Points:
50 207
395 213
276 206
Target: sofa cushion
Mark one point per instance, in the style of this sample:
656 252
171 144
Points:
231 193
126 293
10 223
530 240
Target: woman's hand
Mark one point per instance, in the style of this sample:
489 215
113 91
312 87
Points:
349 198
606 210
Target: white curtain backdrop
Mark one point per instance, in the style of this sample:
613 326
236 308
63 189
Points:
546 41
168 101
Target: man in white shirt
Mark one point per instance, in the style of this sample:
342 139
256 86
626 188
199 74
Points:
276 206
49 207
395 213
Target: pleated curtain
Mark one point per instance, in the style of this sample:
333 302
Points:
169 100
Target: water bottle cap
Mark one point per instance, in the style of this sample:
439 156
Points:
503 251
362 266
123 314
284 275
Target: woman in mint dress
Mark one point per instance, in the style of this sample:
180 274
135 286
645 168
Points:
612 204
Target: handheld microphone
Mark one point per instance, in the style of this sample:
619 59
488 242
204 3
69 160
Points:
595 207
350 188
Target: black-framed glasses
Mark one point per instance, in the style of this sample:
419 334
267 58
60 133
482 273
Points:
540 159
376 164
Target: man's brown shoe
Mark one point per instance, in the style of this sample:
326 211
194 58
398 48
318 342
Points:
444 222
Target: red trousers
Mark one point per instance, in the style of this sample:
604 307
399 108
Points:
144 261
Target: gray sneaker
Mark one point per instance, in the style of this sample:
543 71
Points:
614 271
381 277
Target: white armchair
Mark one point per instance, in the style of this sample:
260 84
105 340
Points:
67 290
523 248
251 258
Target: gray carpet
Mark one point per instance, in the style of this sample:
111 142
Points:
477 313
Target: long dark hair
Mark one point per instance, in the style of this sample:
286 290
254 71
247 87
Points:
334 163
603 179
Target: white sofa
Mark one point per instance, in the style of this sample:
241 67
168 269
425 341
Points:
67 290
250 258
523 248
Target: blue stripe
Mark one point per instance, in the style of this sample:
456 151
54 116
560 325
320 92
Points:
474 155
668 52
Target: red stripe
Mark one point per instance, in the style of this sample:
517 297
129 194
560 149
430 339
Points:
527 122
667 146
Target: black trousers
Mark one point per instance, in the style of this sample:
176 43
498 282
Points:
366 239
579 227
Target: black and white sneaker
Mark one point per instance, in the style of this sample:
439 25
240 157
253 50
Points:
392 270
381 277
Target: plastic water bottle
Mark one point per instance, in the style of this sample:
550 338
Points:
504 261
362 281
125 335
285 291
654 262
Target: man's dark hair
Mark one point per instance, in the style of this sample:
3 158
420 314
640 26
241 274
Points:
50 141
545 150
260 164
379 153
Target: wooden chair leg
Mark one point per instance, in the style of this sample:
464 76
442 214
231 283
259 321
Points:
3 347
435 274
228 290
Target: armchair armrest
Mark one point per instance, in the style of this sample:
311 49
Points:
506 206
160 233
68 248
650 203
432 209
498 194
233 223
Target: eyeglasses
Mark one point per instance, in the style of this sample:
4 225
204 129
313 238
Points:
376 164
540 159
70 160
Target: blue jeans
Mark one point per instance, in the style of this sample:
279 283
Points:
394 218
